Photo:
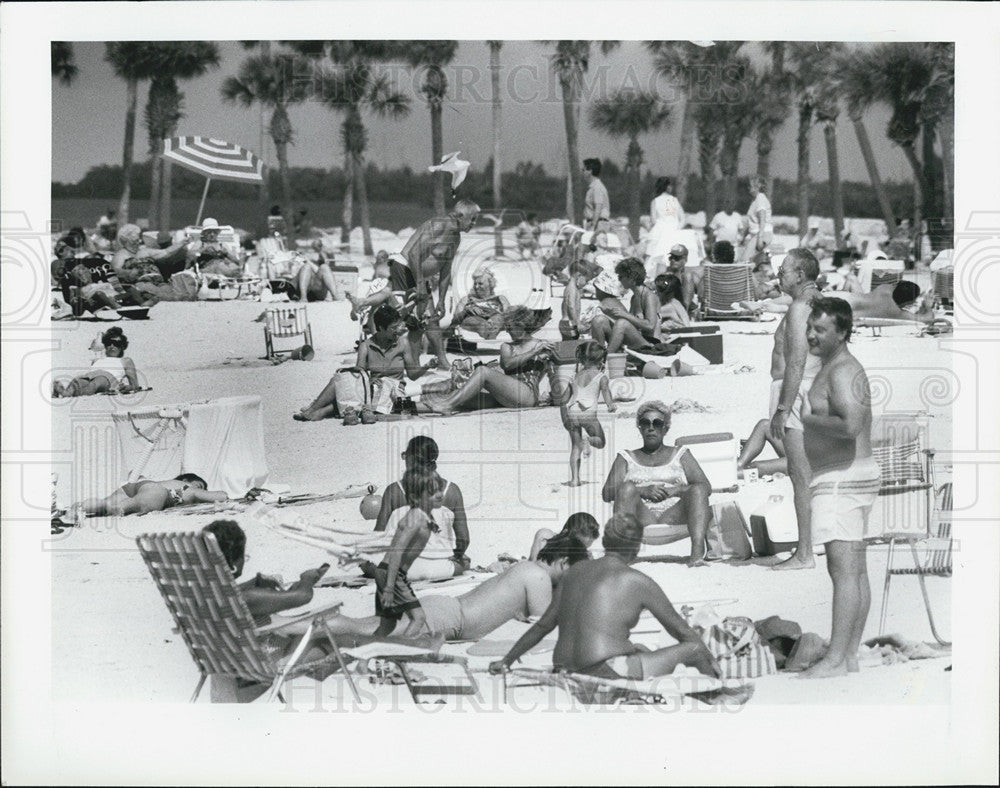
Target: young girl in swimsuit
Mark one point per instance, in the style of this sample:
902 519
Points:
112 372
579 413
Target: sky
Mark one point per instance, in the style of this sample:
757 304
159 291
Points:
88 118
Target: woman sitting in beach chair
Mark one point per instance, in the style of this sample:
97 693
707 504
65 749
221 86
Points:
481 310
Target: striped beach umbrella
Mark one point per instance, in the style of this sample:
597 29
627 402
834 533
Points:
214 159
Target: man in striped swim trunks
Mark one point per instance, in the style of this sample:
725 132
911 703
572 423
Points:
837 425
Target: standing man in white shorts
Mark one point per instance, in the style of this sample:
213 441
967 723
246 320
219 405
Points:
837 425
792 368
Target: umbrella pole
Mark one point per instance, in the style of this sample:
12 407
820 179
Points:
201 207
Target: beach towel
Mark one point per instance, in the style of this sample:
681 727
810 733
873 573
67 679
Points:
225 444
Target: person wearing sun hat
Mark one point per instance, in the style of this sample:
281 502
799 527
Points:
212 256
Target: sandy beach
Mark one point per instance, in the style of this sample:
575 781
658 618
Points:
508 464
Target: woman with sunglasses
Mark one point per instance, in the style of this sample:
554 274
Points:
661 484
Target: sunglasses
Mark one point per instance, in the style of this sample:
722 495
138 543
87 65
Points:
654 423
673 256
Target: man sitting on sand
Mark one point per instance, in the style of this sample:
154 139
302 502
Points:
524 591
597 605
147 495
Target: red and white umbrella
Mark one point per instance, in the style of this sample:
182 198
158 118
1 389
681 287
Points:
214 159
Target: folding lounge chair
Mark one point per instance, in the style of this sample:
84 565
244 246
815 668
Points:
725 285
199 590
904 511
285 321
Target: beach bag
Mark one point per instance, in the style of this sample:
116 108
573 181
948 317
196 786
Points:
727 534
738 649
352 389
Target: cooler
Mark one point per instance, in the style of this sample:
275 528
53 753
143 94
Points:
774 527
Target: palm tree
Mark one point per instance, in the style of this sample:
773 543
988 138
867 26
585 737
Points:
854 84
939 104
629 113
495 47
773 105
738 120
433 56
63 66
827 110
709 121
569 63
349 85
684 64
807 72
173 61
132 61
269 79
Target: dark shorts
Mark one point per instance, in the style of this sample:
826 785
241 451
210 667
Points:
403 598
401 278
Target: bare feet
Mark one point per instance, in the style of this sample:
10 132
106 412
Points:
697 559
586 447
574 483
794 563
825 669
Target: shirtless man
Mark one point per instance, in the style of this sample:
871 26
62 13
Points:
427 256
837 424
792 371
147 495
891 301
524 591
596 607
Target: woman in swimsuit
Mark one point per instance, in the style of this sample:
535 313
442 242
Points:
482 309
147 495
579 413
515 384
661 484
110 373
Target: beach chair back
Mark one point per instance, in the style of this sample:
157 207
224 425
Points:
944 286
905 503
227 238
282 321
725 285
198 588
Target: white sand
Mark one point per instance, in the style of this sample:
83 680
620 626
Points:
507 464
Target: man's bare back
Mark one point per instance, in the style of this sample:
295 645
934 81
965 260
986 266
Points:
601 602
523 590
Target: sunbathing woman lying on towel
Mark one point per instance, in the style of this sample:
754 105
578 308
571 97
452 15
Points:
111 373
147 495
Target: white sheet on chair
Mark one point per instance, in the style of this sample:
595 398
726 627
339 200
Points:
225 444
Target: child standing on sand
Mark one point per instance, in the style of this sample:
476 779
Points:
394 597
579 413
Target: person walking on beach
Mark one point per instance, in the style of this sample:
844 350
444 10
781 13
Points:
792 371
837 424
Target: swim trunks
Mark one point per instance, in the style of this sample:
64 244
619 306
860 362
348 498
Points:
842 500
444 616
403 598
401 278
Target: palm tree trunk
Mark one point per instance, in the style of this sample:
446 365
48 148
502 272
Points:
281 148
708 176
927 133
156 167
362 187
497 125
127 150
765 144
729 164
946 131
347 211
836 195
634 165
918 171
166 193
437 151
570 104
880 193
687 147
569 197
802 139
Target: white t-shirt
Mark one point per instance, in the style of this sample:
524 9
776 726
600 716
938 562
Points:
726 226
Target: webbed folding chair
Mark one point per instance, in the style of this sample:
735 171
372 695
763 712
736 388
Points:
944 288
905 510
212 617
725 285
282 321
